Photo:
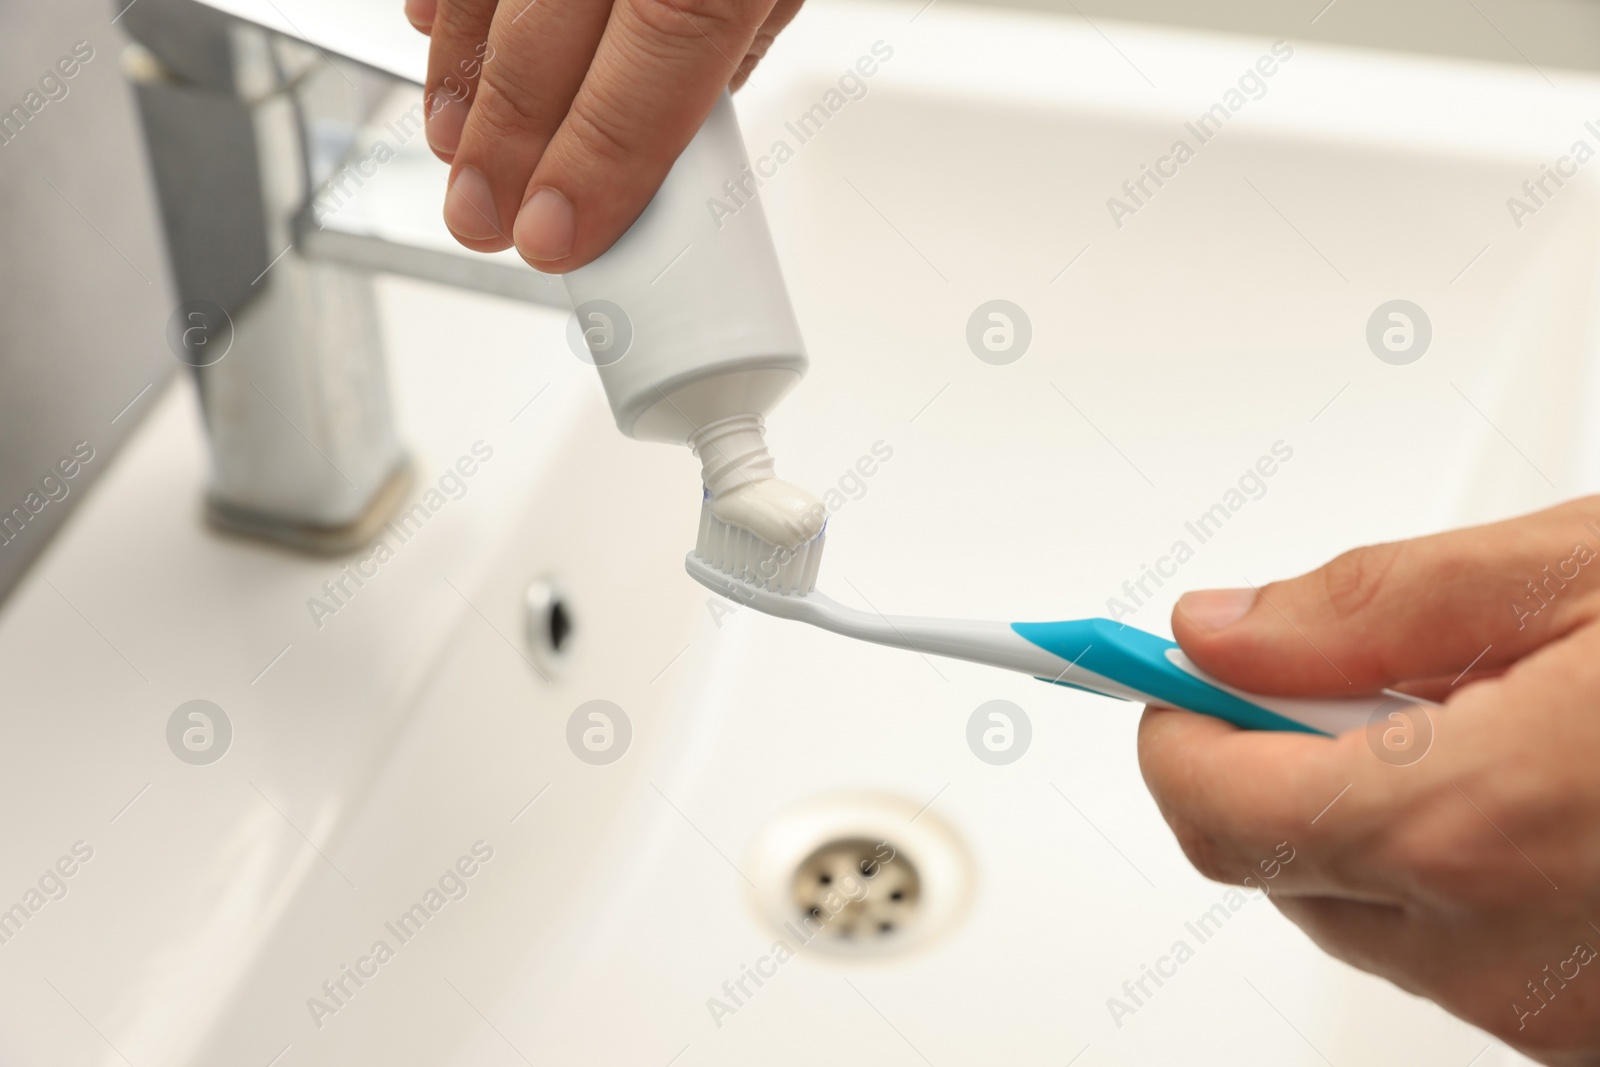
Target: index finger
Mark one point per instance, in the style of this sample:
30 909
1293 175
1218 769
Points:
659 69
1257 808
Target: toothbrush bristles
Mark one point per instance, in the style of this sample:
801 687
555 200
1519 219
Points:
745 557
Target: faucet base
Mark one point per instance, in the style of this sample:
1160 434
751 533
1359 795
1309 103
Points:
318 540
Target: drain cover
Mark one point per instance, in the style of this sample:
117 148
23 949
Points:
856 888
859 874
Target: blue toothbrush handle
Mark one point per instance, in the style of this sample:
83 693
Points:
1154 669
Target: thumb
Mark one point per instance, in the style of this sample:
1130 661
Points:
1433 607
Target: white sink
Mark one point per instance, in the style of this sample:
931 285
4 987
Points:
1167 356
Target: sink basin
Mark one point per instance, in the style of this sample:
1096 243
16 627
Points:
400 744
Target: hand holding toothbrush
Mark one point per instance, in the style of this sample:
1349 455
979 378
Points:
1459 856
561 118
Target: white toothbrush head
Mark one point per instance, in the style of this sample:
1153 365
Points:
732 561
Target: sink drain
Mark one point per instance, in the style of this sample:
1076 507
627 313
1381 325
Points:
857 888
859 874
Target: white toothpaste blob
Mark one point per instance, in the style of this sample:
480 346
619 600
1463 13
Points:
745 491
775 511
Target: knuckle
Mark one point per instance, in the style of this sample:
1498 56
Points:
696 20
599 133
1352 581
1203 851
1449 868
1451 856
504 105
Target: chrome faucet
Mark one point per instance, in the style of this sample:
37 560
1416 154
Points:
264 150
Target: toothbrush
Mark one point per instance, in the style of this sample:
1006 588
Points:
1096 655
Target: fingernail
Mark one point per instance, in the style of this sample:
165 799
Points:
469 208
420 13
545 227
1217 608
447 116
